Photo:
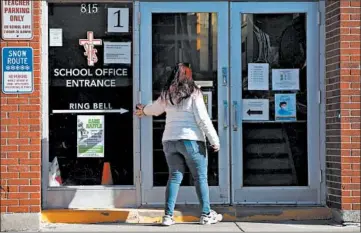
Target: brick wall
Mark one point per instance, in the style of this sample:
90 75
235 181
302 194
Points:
21 137
343 104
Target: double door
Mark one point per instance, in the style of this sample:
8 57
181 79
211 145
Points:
257 65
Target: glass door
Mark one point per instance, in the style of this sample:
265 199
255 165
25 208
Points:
196 33
275 107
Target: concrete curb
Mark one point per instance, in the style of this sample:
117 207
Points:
189 214
20 222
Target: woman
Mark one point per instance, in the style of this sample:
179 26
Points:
187 124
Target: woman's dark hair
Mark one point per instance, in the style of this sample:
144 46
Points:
180 84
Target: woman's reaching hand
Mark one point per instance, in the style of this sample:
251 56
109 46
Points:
139 110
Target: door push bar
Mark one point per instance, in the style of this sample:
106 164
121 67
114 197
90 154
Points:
235 115
225 118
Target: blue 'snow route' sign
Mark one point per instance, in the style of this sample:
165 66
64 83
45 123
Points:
17 70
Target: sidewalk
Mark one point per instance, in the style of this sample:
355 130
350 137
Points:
290 226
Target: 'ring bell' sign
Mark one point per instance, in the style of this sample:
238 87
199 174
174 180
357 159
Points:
17 70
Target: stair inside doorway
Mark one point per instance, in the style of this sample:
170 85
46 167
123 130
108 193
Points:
268 156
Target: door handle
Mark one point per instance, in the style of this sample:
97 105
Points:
224 76
225 114
235 115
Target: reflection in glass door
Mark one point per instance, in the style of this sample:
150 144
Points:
276 139
191 38
190 33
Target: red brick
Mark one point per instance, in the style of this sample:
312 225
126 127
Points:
29 135
346 179
29 107
35 195
7 175
29 121
29 148
9 202
10 121
35 209
18 100
13 188
17 43
35 168
3 168
9 148
29 188
35 128
355 179
18 141
351 186
9 134
18 209
30 175
18 196
349 24
29 202
35 100
346 206
35 155
355 17
18 154
19 181
18 128
351 200
356 193
355 4
34 115
18 168
30 161
18 115
35 182
9 161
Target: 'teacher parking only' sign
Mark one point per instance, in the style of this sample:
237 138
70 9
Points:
17 70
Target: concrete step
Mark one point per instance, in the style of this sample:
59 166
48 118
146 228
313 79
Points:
267 163
267 148
185 213
273 133
268 179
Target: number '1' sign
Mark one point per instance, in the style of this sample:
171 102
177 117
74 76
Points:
118 19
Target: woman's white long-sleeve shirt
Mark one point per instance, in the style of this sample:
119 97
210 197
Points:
188 120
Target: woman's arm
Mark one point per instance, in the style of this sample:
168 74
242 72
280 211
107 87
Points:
203 120
155 109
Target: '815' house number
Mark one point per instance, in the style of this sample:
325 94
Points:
88 8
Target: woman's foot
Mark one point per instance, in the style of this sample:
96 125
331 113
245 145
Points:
167 220
211 218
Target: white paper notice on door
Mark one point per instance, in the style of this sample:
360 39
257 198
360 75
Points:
285 79
258 76
255 109
55 37
117 52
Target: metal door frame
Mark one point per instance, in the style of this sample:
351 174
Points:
310 194
187 195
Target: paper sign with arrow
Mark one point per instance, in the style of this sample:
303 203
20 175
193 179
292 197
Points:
255 109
